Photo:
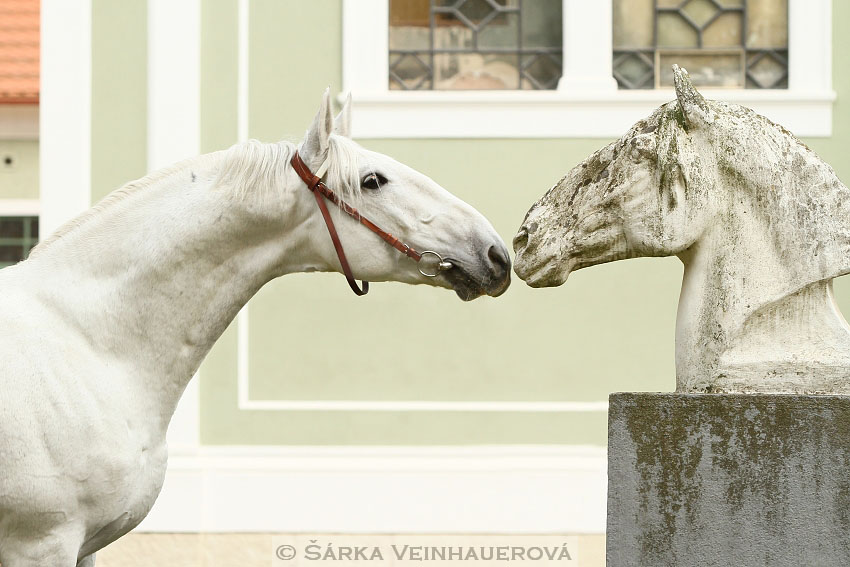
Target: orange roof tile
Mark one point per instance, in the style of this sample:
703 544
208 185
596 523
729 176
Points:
19 51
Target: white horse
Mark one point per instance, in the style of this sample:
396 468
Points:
107 321
760 222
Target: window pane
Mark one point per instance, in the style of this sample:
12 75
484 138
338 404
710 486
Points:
409 71
475 71
500 32
635 69
410 37
11 254
745 42
17 237
767 69
675 31
633 24
709 70
542 24
725 31
475 44
12 227
768 24
541 71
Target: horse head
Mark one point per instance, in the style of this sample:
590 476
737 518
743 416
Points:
757 218
401 201
647 194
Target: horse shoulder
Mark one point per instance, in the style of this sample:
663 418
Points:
69 445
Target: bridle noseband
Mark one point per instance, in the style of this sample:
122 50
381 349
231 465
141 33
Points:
314 183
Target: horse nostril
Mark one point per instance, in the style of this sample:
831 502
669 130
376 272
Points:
521 239
499 257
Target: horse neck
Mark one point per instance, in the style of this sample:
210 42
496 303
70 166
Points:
746 300
152 280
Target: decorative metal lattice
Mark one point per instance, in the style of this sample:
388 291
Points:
722 43
474 44
18 235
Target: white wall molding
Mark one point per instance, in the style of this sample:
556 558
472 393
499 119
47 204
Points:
174 121
587 104
470 489
557 114
415 405
174 81
20 207
18 122
65 106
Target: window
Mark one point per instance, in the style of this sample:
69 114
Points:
474 44
722 43
777 55
18 235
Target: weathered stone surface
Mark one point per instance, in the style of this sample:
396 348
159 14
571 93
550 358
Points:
760 222
716 479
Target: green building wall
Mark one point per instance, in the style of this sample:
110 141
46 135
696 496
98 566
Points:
20 181
610 328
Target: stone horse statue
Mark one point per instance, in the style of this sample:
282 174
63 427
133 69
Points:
761 224
104 325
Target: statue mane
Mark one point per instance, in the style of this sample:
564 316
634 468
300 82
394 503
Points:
797 196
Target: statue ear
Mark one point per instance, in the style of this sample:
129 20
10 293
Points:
314 149
342 122
694 107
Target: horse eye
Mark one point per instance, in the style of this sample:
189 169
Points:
643 149
373 181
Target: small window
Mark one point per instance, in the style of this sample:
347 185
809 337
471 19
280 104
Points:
474 44
722 43
18 235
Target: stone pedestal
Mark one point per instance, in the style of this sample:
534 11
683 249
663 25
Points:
725 479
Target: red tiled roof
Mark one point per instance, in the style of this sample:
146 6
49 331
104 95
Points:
19 51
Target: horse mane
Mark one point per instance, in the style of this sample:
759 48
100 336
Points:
111 199
250 169
798 195
808 203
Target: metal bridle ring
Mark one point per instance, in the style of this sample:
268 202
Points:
441 264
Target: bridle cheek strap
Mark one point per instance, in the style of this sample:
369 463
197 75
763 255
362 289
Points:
313 182
319 189
346 269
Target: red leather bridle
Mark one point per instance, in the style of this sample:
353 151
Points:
319 189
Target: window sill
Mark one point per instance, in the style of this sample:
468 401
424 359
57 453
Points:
559 114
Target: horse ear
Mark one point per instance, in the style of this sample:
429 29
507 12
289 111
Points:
694 106
342 122
315 146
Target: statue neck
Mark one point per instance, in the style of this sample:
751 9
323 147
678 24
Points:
747 322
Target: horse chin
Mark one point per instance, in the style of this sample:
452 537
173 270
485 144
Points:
546 274
468 287
538 271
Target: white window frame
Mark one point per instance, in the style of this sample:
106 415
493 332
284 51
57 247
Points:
587 102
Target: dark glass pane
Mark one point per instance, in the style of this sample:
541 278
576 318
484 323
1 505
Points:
542 24
11 254
12 227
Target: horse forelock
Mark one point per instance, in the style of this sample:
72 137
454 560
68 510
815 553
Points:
256 169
